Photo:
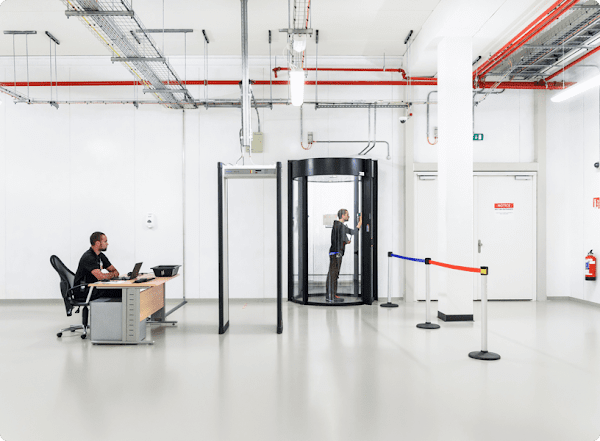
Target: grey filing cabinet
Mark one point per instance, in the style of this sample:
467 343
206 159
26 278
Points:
106 320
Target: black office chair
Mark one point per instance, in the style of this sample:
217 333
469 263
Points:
70 295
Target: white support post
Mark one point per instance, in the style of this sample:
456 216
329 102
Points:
484 354
427 324
389 303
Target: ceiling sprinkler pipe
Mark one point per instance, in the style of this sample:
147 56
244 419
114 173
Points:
246 111
507 46
357 69
499 56
525 85
568 66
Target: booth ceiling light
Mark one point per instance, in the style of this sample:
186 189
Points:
299 44
297 86
576 89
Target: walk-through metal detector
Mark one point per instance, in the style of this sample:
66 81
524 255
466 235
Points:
227 172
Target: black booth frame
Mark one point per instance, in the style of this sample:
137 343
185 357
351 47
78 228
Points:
301 170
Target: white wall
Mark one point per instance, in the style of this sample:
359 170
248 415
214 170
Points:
573 146
81 168
506 121
68 172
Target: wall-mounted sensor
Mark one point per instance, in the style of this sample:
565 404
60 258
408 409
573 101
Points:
150 220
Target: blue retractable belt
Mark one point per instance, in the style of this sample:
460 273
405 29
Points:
408 258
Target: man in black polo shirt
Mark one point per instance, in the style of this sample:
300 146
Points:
94 261
339 239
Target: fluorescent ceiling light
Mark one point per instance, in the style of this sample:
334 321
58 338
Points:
576 89
299 43
297 87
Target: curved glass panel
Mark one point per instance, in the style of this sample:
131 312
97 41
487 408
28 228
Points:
333 243
296 225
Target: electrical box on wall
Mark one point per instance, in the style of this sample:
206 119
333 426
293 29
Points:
257 142
150 221
328 220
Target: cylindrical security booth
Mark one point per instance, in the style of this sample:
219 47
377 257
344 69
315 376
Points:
332 252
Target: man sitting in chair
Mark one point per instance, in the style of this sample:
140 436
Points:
92 264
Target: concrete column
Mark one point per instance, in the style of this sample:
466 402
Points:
455 180
539 127
409 213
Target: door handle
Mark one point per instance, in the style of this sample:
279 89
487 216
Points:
479 245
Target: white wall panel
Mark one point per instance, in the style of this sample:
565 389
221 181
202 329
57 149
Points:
102 174
506 121
557 198
37 199
158 190
3 183
573 183
104 167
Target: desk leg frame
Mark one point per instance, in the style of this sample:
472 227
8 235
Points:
158 318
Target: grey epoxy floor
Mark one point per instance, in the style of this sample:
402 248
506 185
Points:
349 373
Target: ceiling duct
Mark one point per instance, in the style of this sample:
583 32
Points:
576 33
116 25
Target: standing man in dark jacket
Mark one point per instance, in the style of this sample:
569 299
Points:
339 239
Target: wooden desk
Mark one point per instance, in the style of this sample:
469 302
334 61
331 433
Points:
139 301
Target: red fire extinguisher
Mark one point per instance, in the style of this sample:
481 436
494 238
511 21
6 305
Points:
590 266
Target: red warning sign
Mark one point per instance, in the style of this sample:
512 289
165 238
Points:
504 208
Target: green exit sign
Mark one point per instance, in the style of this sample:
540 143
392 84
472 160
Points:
477 136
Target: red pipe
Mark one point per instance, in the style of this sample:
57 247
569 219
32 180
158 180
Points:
593 51
507 46
509 49
345 69
336 69
529 85
520 34
430 82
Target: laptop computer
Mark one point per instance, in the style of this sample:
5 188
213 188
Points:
133 274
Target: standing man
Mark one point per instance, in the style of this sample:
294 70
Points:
339 239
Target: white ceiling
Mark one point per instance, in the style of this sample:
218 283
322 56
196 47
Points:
346 27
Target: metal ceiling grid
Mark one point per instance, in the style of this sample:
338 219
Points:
570 36
301 17
116 25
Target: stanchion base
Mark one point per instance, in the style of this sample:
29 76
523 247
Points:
388 305
428 326
484 355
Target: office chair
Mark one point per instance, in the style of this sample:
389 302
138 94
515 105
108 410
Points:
69 294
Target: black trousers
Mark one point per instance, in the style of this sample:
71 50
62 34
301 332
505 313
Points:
335 263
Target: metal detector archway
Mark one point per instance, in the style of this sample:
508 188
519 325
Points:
225 173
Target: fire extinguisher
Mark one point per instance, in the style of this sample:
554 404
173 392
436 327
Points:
590 266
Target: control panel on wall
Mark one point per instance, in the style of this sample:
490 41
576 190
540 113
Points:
150 220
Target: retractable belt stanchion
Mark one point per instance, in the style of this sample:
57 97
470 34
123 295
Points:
427 324
484 354
389 303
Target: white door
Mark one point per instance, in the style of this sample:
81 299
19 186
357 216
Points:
504 235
